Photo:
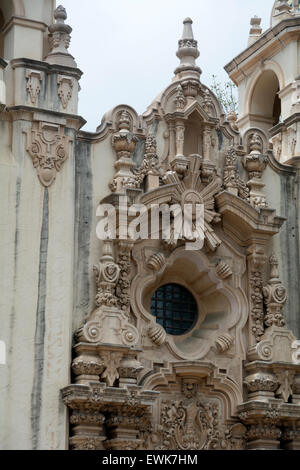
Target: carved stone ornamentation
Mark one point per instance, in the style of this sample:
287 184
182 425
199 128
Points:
292 139
283 6
33 86
87 367
277 145
124 143
286 380
156 262
275 296
107 275
257 304
208 104
157 334
232 118
261 382
256 260
187 49
179 100
232 181
123 285
223 270
109 323
224 342
189 424
59 39
150 168
255 164
111 361
48 147
65 85
191 190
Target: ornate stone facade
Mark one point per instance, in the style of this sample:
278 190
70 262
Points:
215 368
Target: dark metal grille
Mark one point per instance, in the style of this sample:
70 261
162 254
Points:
174 308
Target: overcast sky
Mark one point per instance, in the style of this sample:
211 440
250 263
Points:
126 48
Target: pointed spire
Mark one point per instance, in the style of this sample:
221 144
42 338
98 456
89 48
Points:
188 50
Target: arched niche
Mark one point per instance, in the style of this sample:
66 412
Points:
265 104
221 309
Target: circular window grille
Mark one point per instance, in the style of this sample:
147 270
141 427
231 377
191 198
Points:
174 308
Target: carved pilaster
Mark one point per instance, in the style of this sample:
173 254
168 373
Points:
124 143
123 285
206 143
180 131
256 261
275 296
150 169
262 422
125 413
179 100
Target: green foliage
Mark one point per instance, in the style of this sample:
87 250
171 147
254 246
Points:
226 94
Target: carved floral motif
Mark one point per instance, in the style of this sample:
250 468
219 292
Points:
189 424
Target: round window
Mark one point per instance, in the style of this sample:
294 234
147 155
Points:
174 308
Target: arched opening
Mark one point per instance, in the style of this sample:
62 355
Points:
265 105
9 8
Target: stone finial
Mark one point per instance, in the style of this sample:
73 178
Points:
255 30
188 50
59 36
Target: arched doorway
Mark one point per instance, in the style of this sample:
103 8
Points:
265 104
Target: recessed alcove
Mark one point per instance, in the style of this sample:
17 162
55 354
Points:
213 303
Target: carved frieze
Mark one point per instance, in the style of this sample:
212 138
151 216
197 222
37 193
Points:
190 423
